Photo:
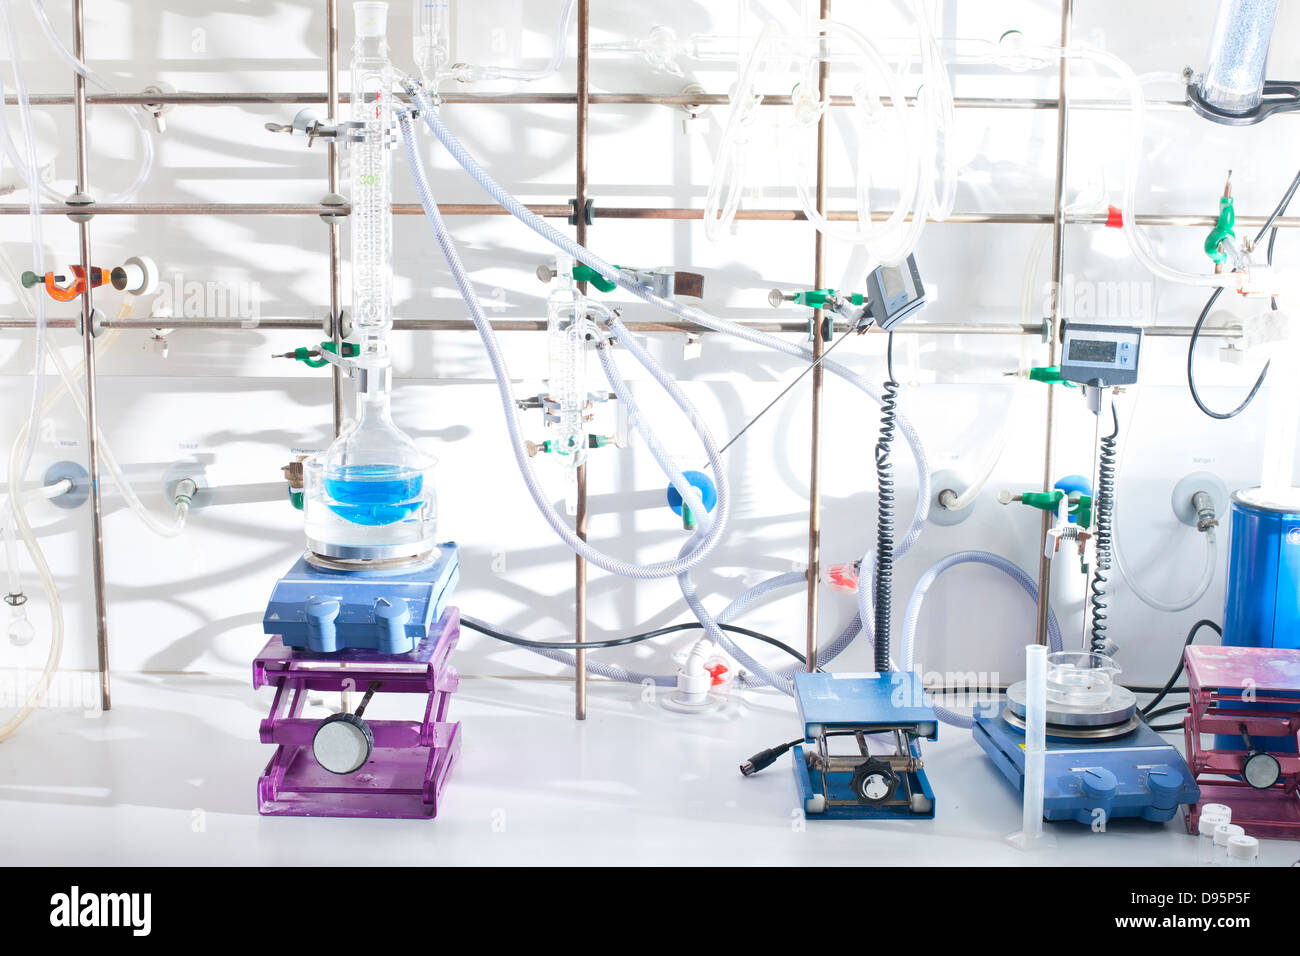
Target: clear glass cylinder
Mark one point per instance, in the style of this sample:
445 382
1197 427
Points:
371 221
1234 74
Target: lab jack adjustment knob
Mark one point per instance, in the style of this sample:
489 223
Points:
874 782
1260 769
342 743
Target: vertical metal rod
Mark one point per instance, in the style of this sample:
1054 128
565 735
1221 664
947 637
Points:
818 375
332 161
88 353
1058 274
580 218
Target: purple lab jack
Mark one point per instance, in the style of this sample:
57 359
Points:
408 767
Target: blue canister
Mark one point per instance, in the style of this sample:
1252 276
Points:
1262 607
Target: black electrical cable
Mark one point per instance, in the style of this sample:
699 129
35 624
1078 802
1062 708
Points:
1148 710
631 639
1162 728
765 758
884 585
1214 297
1103 509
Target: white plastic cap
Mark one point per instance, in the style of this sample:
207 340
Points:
1225 832
371 18
1242 847
1208 822
1218 810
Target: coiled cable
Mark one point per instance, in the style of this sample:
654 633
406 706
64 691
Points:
885 511
1103 507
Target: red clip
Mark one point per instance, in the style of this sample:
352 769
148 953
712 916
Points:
842 577
75 288
717 672
1114 218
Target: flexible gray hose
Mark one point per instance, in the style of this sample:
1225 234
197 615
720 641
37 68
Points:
703 543
788 580
914 603
685 312
764 674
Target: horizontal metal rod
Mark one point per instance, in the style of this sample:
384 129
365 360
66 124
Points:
539 325
289 98
612 212
271 209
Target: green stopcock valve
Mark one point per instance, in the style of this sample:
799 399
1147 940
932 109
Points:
585 273
821 298
1222 229
303 354
1049 375
1080 508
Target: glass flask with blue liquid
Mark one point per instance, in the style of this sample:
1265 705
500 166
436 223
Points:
370 497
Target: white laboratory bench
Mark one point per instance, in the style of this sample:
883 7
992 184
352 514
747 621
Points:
169 777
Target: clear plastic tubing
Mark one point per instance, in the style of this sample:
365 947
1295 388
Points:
1234 73
1035 741
1282 424
16 477
143 126
371 220
470 73
912 617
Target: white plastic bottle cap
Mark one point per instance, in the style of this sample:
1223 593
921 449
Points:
1217 810
1242 847
1225 832
1208 822
371 18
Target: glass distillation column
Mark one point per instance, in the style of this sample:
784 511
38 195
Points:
566 401
370 497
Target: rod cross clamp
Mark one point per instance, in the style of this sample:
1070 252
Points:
308 123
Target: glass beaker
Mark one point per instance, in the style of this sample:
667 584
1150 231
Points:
1080 678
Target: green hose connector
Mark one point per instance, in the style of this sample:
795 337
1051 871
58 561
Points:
295 499
688 519
821 298
308 356
585 273
1080 506
1049 375
1222 231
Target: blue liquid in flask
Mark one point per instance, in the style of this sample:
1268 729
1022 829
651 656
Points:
374 494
